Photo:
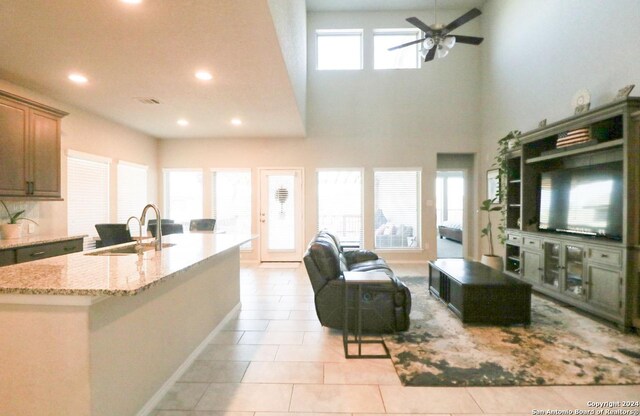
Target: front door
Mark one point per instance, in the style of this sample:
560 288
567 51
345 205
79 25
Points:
281 215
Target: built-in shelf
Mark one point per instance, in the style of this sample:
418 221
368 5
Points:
515 180
588 149
514 258
514 205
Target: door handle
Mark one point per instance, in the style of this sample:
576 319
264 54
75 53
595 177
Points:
263 221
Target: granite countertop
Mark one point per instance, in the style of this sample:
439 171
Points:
35 240
91 275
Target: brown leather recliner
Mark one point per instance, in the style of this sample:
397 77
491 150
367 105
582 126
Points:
385 308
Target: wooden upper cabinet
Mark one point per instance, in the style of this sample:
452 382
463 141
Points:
13 148
30 148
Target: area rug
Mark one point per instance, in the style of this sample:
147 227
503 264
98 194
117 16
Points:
561 347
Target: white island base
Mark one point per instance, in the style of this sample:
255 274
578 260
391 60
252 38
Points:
111 355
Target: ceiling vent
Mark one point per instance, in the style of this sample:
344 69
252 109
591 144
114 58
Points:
147 100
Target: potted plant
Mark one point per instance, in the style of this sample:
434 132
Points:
506 145
490 259
13 229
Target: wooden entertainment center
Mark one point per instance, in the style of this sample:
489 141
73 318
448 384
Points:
595 274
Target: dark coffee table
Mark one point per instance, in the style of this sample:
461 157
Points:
478 294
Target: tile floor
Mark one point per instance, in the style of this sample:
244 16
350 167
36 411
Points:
276 359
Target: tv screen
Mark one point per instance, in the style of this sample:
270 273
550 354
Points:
585 200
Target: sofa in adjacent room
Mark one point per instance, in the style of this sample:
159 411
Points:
386 308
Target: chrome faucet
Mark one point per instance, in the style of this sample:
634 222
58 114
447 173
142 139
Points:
158 242
139 241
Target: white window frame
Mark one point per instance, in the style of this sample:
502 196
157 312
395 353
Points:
248 246
362 202
397 32
89 241
119 182
166 214
418 205
339 32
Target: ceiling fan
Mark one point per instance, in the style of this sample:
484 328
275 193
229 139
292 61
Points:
437 41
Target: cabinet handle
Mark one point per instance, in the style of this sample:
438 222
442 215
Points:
68 248
604 256
37 253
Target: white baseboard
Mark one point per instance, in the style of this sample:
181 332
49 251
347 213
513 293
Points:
151 404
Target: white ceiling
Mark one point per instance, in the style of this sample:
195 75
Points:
153 50
384 5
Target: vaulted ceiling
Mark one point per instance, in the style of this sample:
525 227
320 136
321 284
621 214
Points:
152 50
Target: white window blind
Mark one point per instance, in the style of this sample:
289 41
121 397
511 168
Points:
339 49
132 192
87 193
397 208
403 58
231 204
183 195
340 204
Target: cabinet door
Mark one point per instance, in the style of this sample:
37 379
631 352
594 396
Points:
552 268
13 157
45 151
532 266
604 288
573 283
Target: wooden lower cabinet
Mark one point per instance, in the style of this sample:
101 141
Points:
604 289
531 266
586 275
39 251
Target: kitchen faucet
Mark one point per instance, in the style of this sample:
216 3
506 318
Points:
158 242
139 240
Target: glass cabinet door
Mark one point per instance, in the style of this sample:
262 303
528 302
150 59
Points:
551 275
574 270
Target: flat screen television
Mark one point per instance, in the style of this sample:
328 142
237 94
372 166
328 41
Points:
585 200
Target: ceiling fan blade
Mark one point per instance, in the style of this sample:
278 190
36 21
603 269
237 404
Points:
471 40
471 14
413 42
431 54
420 25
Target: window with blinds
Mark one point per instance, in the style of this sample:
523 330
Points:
87 194
231 202
132 192
183 195
340 204
397 209
339 49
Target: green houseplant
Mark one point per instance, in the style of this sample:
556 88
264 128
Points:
490 259
13 229
505 145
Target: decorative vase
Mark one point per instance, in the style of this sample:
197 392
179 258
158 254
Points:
495 262
9 231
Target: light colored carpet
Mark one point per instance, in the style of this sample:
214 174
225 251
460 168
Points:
561 347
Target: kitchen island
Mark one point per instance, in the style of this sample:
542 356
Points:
87 334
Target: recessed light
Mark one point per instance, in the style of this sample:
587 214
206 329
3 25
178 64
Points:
183 122
236 121
204 76
78 78
131 1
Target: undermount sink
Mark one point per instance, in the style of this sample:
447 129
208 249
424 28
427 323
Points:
126 250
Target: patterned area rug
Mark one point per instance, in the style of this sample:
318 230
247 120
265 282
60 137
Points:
561 347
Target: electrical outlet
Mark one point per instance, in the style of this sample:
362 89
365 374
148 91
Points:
31 228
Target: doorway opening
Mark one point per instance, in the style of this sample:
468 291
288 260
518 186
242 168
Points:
450 215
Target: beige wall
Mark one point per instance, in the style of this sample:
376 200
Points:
362 119
539 53
86 132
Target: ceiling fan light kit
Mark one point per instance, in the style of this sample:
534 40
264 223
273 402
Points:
436 41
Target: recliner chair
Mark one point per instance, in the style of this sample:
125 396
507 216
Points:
386 308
